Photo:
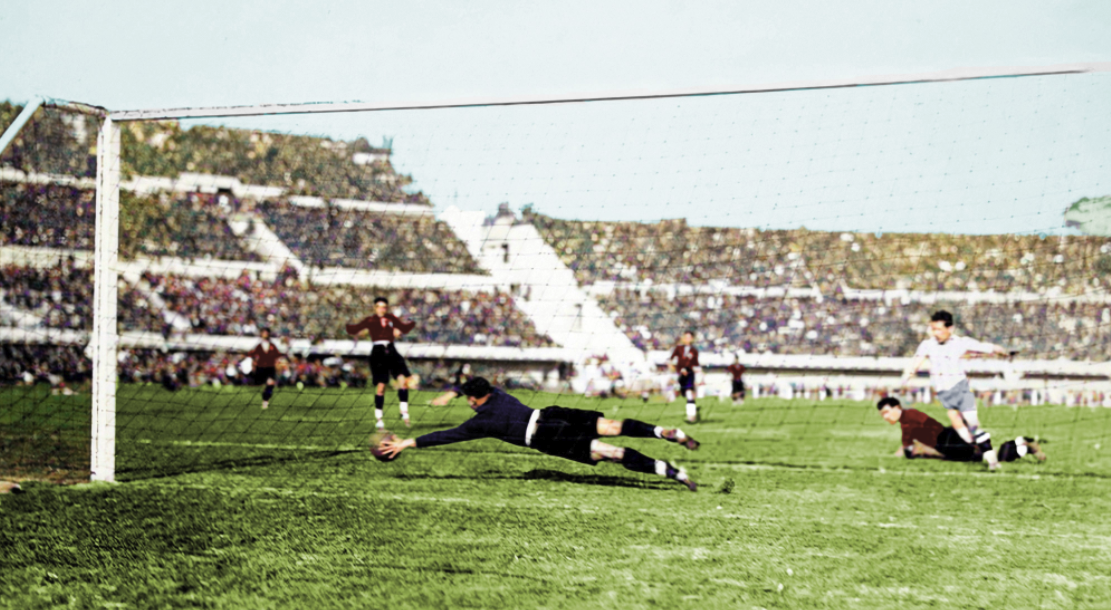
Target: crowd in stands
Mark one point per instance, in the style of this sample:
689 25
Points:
292 309
1043 329
671 251
61 296
52 142
191 226
47 216
304 165
54 364
176 370
335 237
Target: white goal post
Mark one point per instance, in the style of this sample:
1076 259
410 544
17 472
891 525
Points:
104 339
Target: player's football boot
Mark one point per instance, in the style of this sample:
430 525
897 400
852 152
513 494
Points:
265 404
682 476
1035 449
676 435
381 425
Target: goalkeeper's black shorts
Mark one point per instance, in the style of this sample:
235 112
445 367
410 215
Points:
566 433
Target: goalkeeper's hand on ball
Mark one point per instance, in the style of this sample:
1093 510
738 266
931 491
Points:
391 446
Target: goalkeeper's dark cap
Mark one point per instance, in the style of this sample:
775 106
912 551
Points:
888 401
477 387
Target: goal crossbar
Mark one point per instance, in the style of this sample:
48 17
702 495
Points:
952 75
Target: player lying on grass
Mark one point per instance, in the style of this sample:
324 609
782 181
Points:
925 437
945 350
567 433
385 361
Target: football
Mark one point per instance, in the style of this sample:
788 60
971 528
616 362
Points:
376 441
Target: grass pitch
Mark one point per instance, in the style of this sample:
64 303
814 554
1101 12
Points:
802 505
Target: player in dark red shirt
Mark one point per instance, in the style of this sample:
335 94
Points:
385 362
265 358
925 437
737 371
684 360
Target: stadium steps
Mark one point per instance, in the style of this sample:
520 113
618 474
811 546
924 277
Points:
516 255
266 243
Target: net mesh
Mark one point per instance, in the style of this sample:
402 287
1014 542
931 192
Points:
560 250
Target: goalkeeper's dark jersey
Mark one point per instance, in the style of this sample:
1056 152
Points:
502 417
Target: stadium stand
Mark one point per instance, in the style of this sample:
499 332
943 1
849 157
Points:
654 320
61 297
46 215
191 227
334 237
29 364
671 251
303 165
53 142
291 309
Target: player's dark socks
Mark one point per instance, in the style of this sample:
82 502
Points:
637 429
268 392
403 395
638 462
982 439
1008 452
379 401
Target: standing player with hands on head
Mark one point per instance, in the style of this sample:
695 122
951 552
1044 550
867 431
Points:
385 362
684 360
265 357
945 350
557 431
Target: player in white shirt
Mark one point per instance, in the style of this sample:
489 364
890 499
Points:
945 351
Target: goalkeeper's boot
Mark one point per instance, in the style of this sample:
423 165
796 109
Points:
680 475
676 435
1035 449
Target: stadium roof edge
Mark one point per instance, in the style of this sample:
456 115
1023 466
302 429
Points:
950 75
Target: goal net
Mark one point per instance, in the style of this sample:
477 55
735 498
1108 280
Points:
559 249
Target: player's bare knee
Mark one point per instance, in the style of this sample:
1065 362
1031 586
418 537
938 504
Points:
603 451
609 427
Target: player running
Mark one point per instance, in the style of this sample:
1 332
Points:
265 357
385 362
567 433
944 350
737 371
925 437
684 360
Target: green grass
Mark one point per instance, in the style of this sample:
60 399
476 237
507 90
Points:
802 506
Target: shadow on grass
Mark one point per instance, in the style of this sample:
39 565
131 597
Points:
557 476
595 479
155 472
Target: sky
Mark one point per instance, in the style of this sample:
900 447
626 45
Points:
1003 155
